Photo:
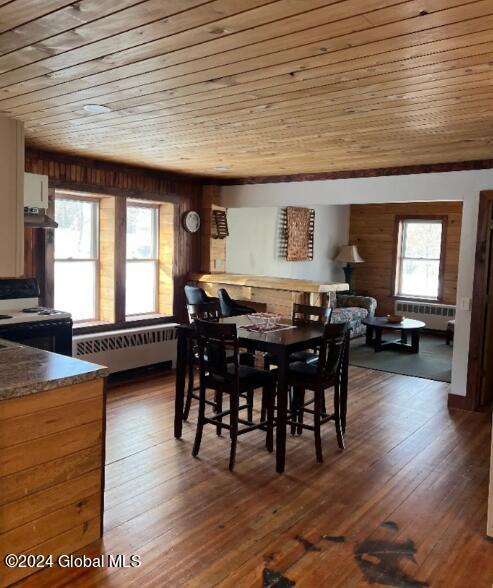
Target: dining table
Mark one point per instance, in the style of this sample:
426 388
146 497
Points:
281 344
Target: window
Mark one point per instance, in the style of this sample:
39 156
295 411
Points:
76 257
419 263
142 259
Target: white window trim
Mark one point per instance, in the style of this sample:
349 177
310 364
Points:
401 257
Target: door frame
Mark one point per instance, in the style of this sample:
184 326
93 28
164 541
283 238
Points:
478 300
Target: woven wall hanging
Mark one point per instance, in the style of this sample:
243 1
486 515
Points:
219 224
297 230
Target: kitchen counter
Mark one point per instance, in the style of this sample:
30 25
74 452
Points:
25 370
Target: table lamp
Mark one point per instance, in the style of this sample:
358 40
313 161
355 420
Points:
349 254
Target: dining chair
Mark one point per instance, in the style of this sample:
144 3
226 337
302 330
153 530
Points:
326 373
208 311
303 314
230 307
195 295
217 342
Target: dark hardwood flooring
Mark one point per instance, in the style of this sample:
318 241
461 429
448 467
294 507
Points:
404 505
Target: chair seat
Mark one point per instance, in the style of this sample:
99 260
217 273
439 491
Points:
348 314
245 358
302 369
251 377
305 356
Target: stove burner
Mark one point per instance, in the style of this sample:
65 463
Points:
34 309
5 316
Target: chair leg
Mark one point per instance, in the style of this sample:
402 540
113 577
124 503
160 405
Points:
316 424
233 432
218 400
301 409
293 407
269 393
200 423
250 405
337 416
188 401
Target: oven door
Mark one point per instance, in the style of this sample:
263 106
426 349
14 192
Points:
53 336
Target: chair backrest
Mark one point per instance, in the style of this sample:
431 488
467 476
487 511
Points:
217 342
196 295
332 349
225 301
304 314
205 311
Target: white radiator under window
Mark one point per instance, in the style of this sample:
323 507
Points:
436 316
129 348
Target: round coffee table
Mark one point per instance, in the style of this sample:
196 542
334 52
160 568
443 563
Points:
376 324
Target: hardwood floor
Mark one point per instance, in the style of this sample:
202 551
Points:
403 505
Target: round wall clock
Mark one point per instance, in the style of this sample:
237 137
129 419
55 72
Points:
191 221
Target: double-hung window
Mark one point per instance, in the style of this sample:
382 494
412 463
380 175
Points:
76 256
142 258
419 258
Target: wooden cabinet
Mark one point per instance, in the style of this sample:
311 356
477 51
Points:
11 198
51 473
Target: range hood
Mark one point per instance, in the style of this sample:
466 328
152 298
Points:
36 218
36 202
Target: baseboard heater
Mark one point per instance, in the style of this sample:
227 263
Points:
128 348
436 316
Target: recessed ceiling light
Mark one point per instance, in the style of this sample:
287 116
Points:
96 108
222 168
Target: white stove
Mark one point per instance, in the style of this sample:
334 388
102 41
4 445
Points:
27 310
22 319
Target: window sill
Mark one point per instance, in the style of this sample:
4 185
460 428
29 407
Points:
130 322
416 299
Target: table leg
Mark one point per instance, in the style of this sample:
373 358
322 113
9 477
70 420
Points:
282 395
378 339
344 384
415 341
181 368
403 336
369 335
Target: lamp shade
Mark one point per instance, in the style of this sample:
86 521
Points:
349 254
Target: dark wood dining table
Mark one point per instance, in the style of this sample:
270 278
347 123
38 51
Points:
280 344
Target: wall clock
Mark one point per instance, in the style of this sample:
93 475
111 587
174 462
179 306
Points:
191 221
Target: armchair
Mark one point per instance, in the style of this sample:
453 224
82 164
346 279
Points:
353 309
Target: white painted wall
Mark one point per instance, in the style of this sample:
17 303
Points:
253 243
464 185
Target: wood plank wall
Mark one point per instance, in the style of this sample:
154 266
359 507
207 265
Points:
73 173
372 229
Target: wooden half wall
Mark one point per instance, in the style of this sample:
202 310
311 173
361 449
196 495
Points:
372 229
112 179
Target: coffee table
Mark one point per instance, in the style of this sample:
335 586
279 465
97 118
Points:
375 325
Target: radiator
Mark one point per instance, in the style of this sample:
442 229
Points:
436 316
128 348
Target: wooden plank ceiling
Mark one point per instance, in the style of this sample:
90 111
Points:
235 88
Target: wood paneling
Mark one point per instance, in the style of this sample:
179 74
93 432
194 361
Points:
213 251
107 259
414 476
238 88
101 177
372 229
166 255
51 472
479 374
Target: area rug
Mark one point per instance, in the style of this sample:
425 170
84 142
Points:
433 362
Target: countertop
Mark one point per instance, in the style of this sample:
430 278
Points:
25 370
270 283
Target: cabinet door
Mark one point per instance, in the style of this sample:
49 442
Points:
11 198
